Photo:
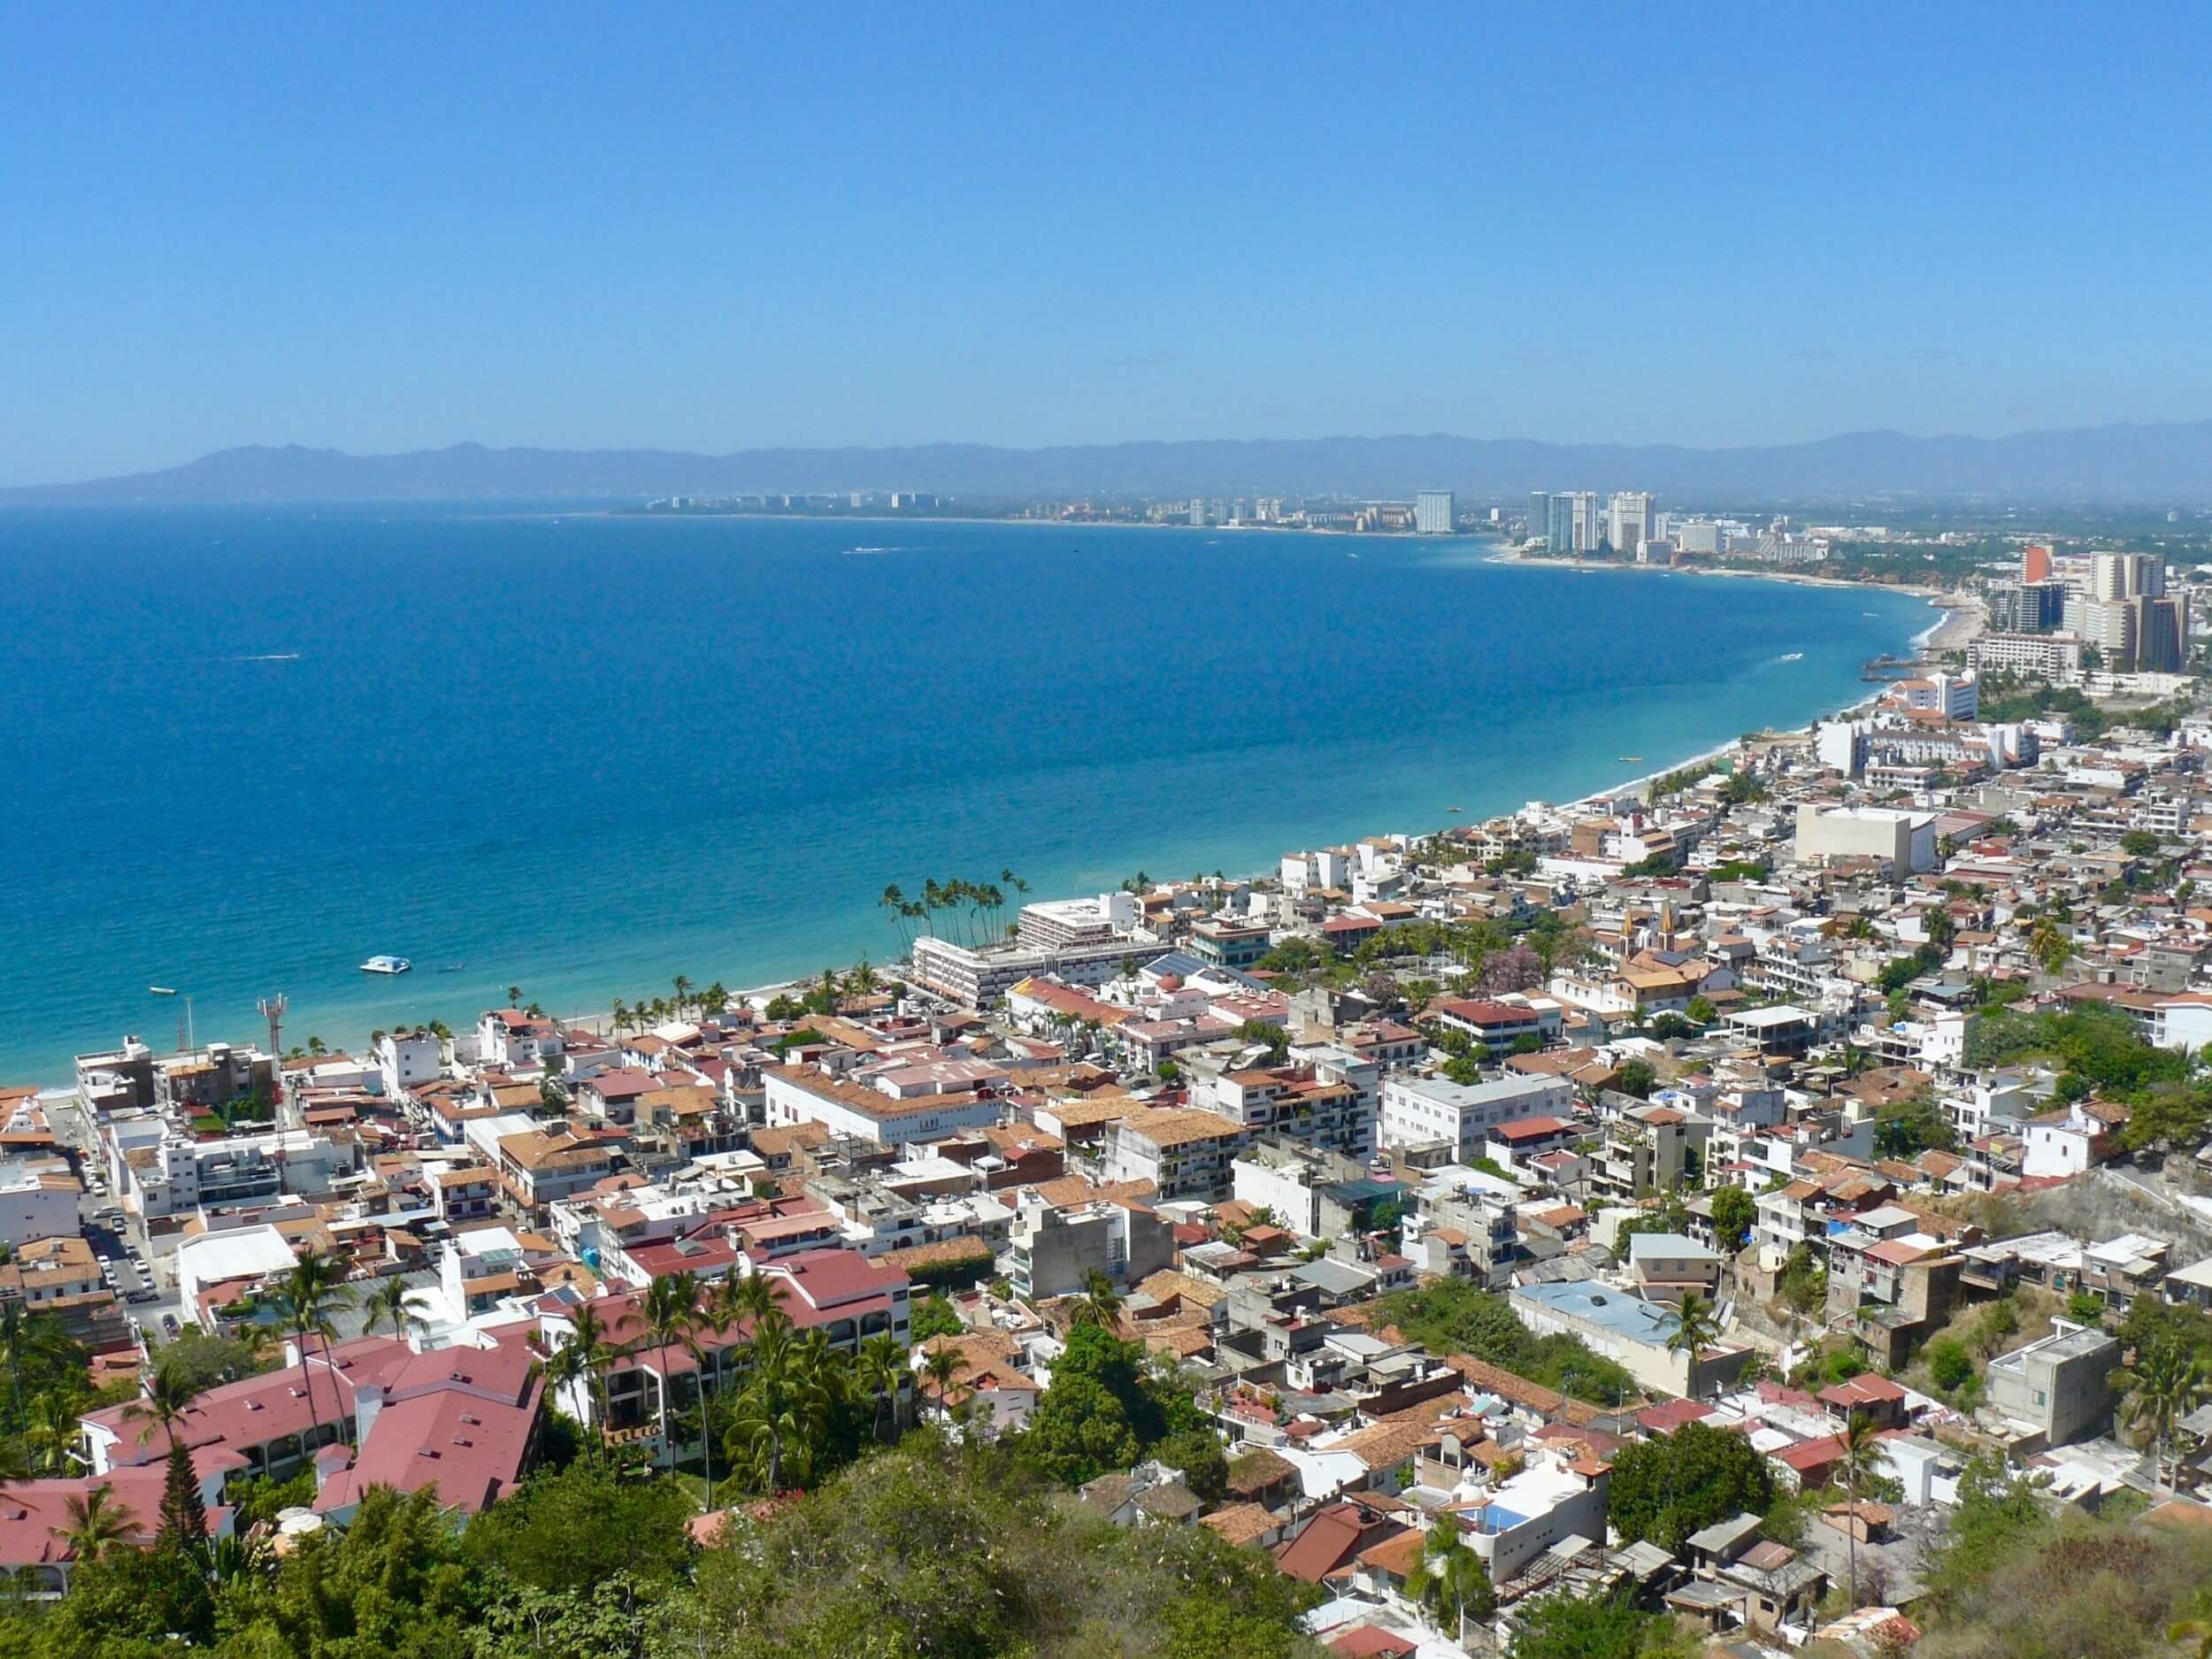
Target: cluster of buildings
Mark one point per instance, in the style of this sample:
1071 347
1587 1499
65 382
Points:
1629 523
2069 612
1598 1060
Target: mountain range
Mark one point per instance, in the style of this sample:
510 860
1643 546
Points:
2130 463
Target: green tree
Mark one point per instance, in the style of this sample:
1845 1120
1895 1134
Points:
1636 1077
310 1295
666 1314
1449 1575
1563 1625
1667 1487
97 1524
1696 1328
934 1316
2167 1382
160 1409
1100 1304
1949 1364
1197 1455
1735 1212
394 1303
1858 1456
576 1527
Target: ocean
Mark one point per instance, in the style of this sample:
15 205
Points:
583 753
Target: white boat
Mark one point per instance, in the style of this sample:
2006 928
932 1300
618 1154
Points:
385 964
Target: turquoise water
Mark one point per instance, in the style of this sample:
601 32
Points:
583 754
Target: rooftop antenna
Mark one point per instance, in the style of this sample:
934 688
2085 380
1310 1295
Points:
272 1011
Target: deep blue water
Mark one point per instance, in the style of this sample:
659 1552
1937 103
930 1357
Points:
247 749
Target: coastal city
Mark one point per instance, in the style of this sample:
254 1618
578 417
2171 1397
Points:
1696 1207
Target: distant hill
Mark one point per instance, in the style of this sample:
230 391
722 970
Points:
2158 463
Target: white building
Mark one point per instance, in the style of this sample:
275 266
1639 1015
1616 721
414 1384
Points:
1419 1112
1904 841
1630 516
407 1058
797 1095
35 1203
1432 513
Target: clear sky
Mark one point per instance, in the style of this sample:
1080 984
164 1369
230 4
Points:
387 227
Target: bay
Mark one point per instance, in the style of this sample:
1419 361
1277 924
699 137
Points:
584 752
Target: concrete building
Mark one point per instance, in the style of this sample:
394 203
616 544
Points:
405 1058
1627 1329
1587 524
35 1203
1422 1111
2059 1389
1183 1153
1629 519
1432 513
1666 1265
1052 1251
1906 842
981 978
2056 657
800 1093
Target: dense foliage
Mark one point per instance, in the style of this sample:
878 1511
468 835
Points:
1669 1486
922 1550
2013 1580
1452 1317
1106 1411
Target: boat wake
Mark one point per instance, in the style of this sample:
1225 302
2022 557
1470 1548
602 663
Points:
270 657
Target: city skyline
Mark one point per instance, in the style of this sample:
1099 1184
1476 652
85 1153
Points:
709 237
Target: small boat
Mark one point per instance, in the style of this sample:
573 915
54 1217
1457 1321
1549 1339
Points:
1455 808
385 964
1628 757
163 990
1792 656
453 967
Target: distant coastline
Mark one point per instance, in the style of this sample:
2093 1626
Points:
757 872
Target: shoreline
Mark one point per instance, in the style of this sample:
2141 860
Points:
597 1016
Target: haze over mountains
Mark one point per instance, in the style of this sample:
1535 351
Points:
2163 462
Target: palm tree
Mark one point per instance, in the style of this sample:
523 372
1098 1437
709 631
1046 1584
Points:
883 1372
52 1433
1450 1572
665 1314
782 1405
894 900
514 997
312 1292
97 1525
584 1358
753 1299
1697 1327
395 1303
166 1397
25 1339
1859 1449
621 1015
2169 1381
1100 1303
941 1365
683 993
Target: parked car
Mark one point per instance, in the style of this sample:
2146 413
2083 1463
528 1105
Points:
169 1323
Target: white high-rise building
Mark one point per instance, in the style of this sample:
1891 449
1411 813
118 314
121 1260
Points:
1589 527
1432 513
1631 519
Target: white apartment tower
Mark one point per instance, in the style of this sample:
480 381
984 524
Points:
1631 516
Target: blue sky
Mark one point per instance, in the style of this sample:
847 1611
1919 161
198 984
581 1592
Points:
717 227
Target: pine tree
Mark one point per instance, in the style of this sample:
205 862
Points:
183 1515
